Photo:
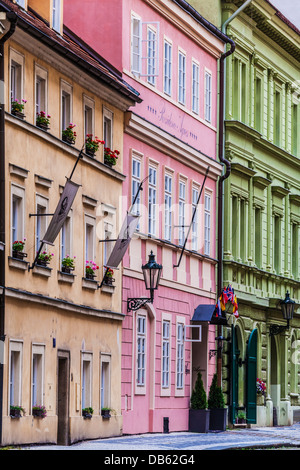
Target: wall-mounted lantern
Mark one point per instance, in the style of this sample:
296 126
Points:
287 308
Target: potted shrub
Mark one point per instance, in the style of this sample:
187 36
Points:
216 404
105 413
108 278
16 411
92 145
39 411
17 249
87 413
198 413
110 156
68 135
90 269
68 264
43 120
44 258
241 417
17 108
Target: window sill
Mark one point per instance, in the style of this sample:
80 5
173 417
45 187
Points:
108 289
65 277
42 271
17 263
89 284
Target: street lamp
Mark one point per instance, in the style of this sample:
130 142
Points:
287 308
151 272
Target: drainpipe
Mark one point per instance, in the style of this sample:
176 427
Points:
11 17
223 177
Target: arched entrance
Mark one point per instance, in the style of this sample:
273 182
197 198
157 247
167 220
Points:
275 378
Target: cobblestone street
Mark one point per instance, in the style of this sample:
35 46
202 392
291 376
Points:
287 436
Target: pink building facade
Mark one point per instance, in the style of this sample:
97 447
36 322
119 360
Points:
168 55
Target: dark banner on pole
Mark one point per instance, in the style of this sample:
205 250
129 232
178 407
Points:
61 212
128 228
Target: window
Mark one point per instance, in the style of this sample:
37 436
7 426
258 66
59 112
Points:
56 16
295 250
141 350
207 218
181 212
41 220
258 104
165 354
151 59
208 101
295 135
195 195
21 3
15 373
195 88
258 236
108 128
37 387
86 380
180 356
152 201
105 381
89 238
88 119
16 75
181 77
66 238
168 207
40 90
135 182
17 213
277 118
136 45
66 105
277 243
168 69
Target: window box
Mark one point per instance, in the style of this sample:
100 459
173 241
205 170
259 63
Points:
18 114
17 263
65 277
16 412
89 283
39 411
68 140
67 269
19 254
105 413
87 413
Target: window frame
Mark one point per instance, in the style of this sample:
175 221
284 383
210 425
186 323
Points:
66 114
38 381
166 341
207 223
195 224
41 221
105 385
152 200
18 193
180 357
168 200
15 346
141 352
138 36
195 87
56 15
181 211
181 77
208 96
41 78
89 239
108 117
86 381
168 64
16 60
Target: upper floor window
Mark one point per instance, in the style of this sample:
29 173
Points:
195 88
166 354
168 207
21 3
208 101
41 219
136 45
108 128
89 115
66 105
181 212
181 77
141 350
195 194
144 48
168 68
40 90
180 356
207 221
86 380
152 195
56 15
17 213
151 61
135 182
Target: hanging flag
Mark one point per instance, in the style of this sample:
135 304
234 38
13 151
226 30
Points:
227 295
61 212
128 228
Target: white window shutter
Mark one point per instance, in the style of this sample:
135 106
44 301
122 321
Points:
195 327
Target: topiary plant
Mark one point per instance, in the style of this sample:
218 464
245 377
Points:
215 397
199 398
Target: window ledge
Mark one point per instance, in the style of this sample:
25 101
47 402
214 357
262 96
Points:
17 263
65 277
108 289
89 284
42 271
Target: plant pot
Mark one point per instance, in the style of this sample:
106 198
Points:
38 413
19 254
89 276
199 420
66 269
18 114
105 414
15 413
89 152
69 140
86 414
108 281
45 127
41 262
218 419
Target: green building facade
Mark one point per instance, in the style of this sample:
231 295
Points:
261 211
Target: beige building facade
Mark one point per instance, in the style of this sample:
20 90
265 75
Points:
61 331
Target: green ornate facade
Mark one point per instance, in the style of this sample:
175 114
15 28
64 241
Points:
261 213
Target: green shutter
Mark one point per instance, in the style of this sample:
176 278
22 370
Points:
233 376
251 377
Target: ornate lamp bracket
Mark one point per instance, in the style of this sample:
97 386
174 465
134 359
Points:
136 304
277 329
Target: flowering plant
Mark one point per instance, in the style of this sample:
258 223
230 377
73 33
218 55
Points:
260 387
111 156
42 118
92 145
90 267
109 272
44 256
39 410
18 245
68 262
69 133
18 106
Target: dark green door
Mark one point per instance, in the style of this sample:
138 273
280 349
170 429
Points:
251 377
234 353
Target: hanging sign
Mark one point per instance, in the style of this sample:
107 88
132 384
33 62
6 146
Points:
128 228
